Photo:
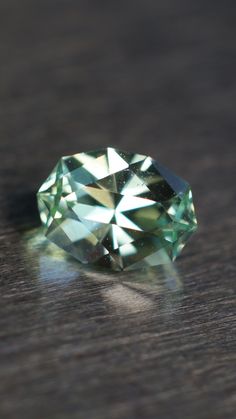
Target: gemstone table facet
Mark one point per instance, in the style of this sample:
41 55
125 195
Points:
116 209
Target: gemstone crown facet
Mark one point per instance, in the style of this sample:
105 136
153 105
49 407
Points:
116 209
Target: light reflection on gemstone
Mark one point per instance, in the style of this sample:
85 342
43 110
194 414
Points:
138 291
116 209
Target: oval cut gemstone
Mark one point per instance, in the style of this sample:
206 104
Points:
116 209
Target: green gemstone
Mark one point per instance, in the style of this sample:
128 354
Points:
116 209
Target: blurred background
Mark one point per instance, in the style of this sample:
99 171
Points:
149 76
156 77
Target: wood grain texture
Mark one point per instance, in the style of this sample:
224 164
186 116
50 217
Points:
157 78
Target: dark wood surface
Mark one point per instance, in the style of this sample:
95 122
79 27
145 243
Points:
149 76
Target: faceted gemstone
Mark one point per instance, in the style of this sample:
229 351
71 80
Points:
116 209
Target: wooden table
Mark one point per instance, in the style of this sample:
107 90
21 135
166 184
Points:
153 77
